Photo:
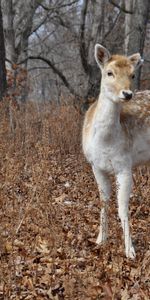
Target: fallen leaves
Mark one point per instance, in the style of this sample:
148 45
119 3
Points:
42 246
50 195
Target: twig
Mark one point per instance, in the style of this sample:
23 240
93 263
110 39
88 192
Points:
122 8
25 214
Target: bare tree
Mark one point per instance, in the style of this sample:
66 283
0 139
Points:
136 35
18 26
67 39
55 41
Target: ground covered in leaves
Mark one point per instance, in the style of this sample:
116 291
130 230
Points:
49 211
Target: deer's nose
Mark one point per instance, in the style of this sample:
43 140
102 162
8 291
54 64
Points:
127 95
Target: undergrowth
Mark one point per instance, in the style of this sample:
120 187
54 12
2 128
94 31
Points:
50 213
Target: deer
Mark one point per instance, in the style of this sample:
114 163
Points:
116 136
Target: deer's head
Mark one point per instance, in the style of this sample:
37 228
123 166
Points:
117 73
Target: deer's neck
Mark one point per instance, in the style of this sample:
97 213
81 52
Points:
108 115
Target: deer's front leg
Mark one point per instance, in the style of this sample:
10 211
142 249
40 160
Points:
124 181
104 186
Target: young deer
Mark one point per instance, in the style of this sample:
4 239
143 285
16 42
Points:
116 135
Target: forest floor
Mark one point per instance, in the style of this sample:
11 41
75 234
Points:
49 211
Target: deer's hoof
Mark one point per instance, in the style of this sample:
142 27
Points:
101 239
131 253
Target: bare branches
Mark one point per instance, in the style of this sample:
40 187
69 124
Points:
39 25
122 7
55 70
57 7
112 27
60 36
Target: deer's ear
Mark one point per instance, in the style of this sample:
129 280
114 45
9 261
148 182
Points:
136 60
101 55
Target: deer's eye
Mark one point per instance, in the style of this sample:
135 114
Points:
133 76
109 73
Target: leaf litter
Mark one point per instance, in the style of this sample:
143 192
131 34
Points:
50 215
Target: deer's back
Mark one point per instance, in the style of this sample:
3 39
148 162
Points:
135 121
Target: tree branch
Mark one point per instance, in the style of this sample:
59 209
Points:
9 61
112 27
39 25
122 7
57 7
38 68
55 70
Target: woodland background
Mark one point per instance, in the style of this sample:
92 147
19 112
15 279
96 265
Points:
49 202
53 41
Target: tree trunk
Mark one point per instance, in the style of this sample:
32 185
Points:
8 25
129 5
136 29
3 83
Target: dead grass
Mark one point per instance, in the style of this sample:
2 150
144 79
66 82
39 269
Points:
50 214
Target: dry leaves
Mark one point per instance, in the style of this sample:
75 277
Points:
49 193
